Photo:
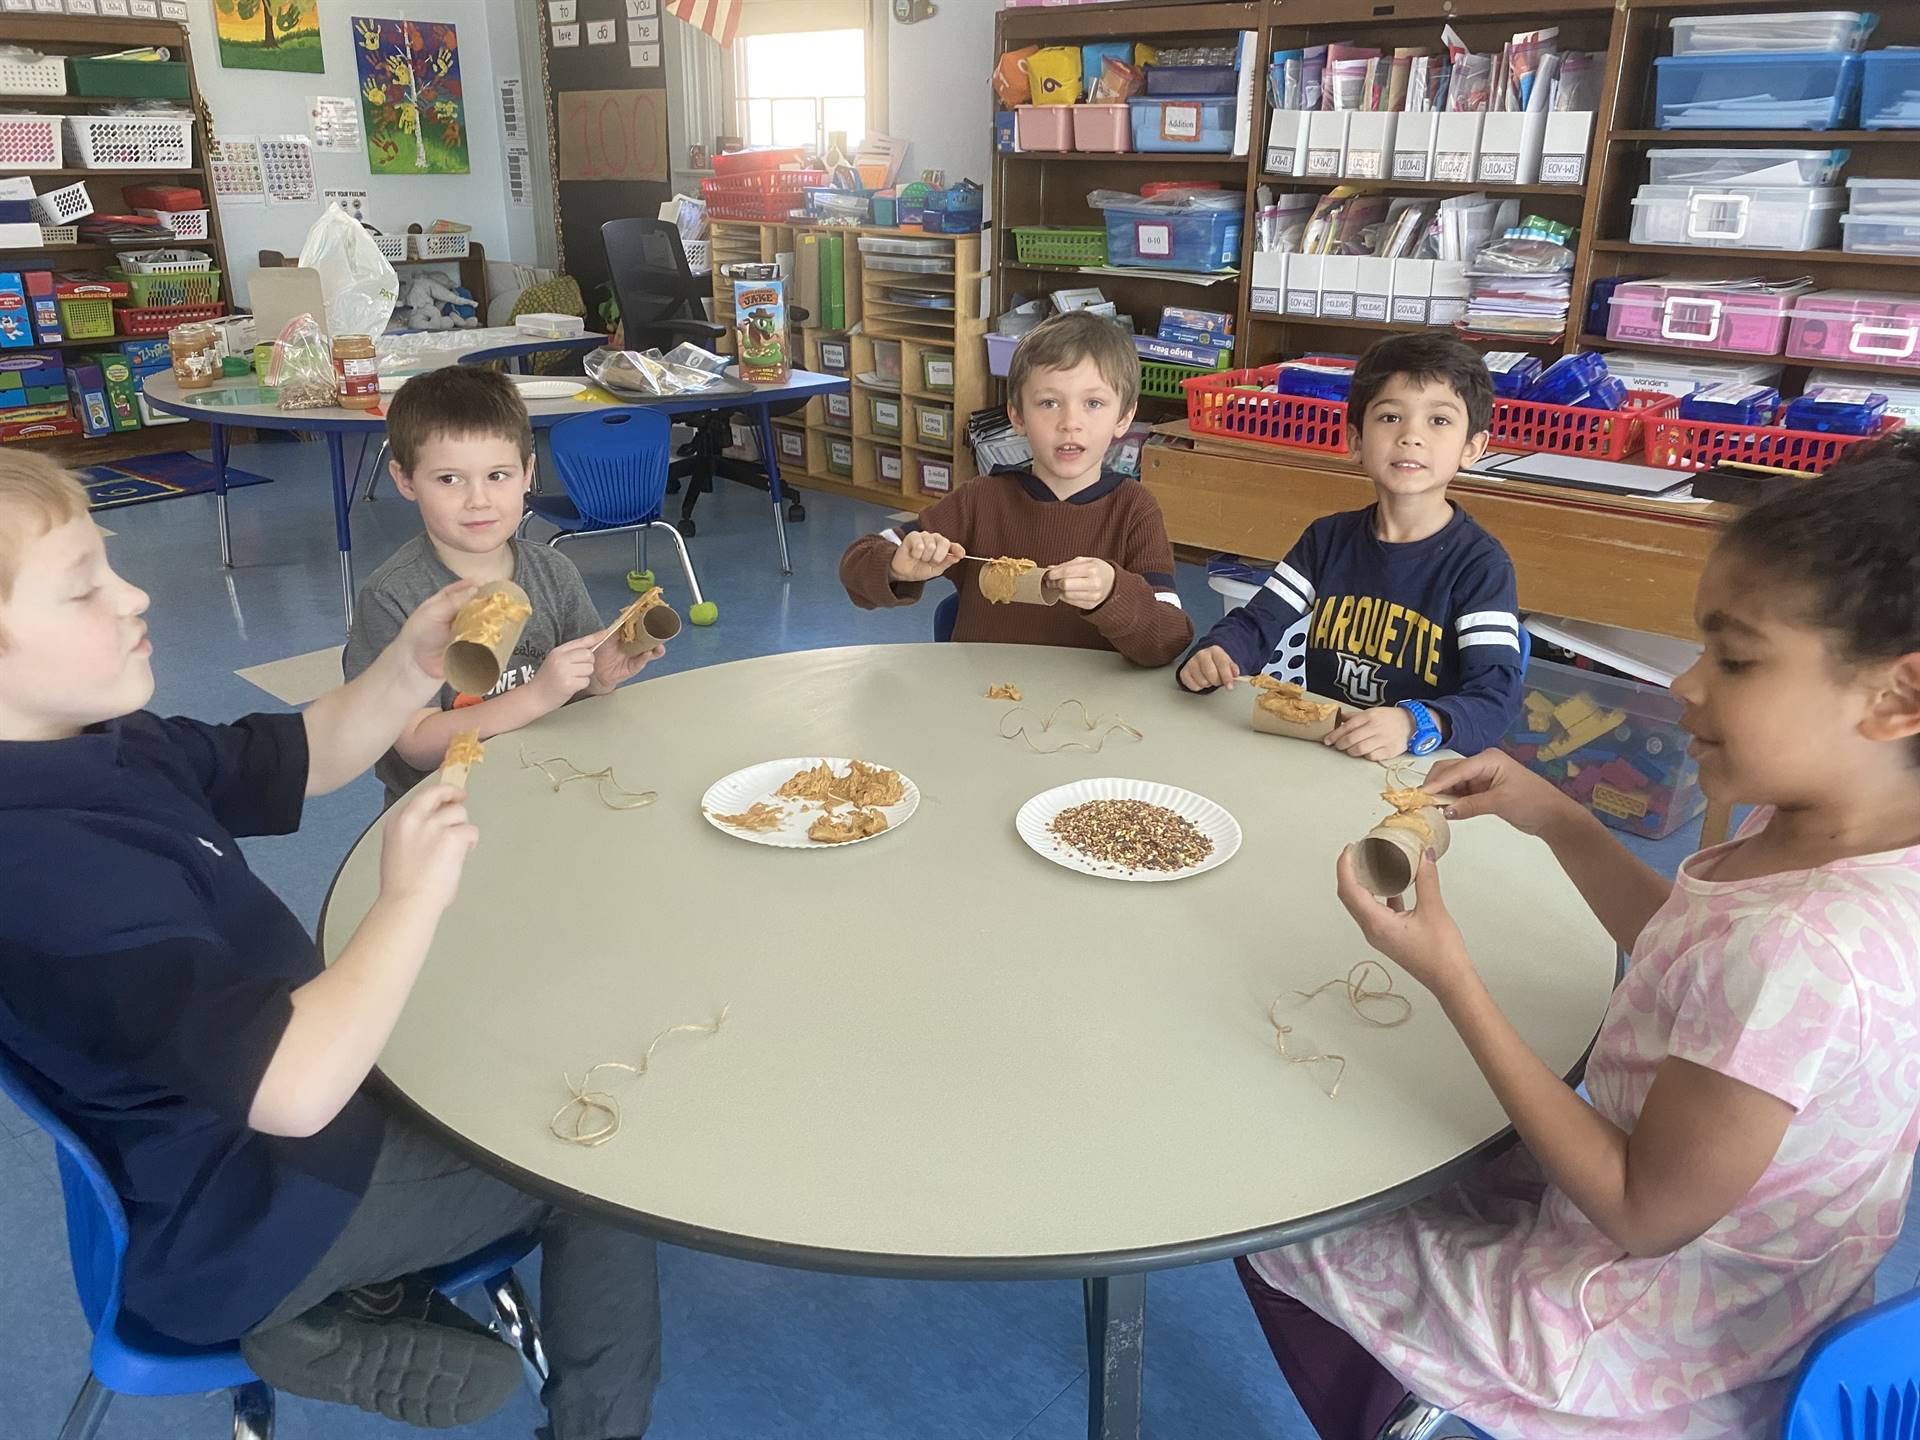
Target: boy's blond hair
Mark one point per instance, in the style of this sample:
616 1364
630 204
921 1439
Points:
35 496
1063 341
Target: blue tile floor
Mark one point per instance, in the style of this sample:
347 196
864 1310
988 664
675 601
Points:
752 1351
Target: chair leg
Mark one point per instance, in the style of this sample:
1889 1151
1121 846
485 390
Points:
686 560
1415 1419
253 1412
373 475
89 1409
520 1327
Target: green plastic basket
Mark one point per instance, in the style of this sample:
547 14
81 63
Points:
184 287
1161 379
129 79
1076 245
87 319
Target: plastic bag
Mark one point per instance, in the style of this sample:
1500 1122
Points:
356 280
648 373
1118 82
1055 75
302 366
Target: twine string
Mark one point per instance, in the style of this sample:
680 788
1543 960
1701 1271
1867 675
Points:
1369 983
595 1114
1107 725
607 786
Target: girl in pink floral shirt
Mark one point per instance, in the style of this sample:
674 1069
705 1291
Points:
1655 1262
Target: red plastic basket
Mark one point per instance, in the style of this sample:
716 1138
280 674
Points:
1575 430
1237 404
769 195
733 163
160 319
1677 444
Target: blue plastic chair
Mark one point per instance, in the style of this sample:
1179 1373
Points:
129 1359
613 469
945 615
1859 1381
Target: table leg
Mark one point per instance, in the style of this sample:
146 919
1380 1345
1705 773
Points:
772 457
1717 822
1116 1352
342 498
220 494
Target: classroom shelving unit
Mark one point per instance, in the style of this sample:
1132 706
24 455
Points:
54 35
844 455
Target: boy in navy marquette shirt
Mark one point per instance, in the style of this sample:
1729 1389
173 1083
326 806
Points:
1412 603
160 999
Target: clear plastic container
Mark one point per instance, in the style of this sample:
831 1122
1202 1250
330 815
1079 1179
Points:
1903 396
1678 375
1757 217
1883 199
887 245
909 265
1837 410
1190 79
1866 235
1890 90
1196 125
1805 91
1834 30
1168 239
1874 327
1700 315
1729 166
1102 129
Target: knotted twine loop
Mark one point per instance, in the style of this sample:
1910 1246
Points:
595 1114
1369 983
1112 724
620 797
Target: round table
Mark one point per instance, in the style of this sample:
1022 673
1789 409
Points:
944 1055
238 401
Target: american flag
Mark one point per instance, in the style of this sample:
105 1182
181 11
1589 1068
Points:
719 18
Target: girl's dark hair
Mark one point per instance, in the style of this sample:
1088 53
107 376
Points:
1429 359
1850 543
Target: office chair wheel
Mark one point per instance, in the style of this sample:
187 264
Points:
639 581
686 527
796 512
705 613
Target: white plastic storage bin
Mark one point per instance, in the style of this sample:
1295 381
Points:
1791 30
1756 218
185 224
1876 235
63 206
30 142
444 245
130 142
392 247
1890 93
1727 166
1882 199
42 75
1678 375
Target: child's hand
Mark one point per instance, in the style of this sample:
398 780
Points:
424 638
923 556
1084 582
1208 669
425 847
1424 941
567 670
1381 734
1494 783
612 669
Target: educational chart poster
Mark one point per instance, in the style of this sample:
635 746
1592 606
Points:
416 118
269 34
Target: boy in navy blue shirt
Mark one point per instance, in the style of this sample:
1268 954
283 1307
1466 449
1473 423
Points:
1412 603
158 997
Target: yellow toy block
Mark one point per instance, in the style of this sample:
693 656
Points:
1539 710
1584 733
1572 711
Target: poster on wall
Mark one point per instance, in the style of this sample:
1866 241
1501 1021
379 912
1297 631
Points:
286 165
416 119
354 202
269 34
237 177
334 123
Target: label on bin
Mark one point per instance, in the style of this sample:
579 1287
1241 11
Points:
1280 160
840 407
887 413
891 467
1409 164
1454 165
793 445
935 477
939 374
1563 169
1322 164
1265 302
1500 169
1365 164
1180 122
1154 238
1617 802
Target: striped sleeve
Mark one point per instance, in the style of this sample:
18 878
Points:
1250 634
863 569
1486 635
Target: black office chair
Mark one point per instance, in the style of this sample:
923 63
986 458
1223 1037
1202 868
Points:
660 307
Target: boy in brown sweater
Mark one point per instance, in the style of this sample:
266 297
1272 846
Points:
1097 536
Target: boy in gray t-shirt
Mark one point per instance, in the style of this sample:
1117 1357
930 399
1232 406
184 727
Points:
463 452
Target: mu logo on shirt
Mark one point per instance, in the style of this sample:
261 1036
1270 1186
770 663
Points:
1373 639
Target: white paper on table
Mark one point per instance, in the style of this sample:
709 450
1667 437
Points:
1646 481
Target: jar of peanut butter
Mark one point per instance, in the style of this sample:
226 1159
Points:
356 375
195 352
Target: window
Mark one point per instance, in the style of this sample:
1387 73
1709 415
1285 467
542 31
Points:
797 89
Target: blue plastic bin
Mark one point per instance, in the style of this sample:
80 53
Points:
1190 124
1890 91
1803 90
1191 79
1161 239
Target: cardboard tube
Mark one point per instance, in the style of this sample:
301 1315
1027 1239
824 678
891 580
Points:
1002 584
1389 857
1267 722
484 633
464 752
654 623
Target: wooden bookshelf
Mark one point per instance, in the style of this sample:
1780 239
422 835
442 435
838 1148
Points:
56 35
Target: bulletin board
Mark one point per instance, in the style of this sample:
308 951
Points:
606 101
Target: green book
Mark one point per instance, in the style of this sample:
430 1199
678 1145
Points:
833 285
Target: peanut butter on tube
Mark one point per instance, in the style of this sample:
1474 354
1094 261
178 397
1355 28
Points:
648 622
485 631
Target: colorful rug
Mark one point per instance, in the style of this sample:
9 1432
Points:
156 477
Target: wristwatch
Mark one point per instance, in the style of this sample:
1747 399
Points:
1426 729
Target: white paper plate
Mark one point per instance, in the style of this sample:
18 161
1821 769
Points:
738 792
1206 817
532 387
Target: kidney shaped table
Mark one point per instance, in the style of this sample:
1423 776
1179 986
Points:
243 403
944 1055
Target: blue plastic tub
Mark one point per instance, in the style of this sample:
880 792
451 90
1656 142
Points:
1890 91
1189 124
1804 90
1161 239
1191 79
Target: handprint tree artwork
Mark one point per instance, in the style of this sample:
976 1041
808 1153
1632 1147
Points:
416 120
269 34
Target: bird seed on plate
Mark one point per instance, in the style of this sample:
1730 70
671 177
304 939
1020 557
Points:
1132 835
